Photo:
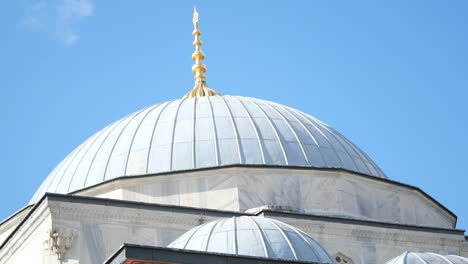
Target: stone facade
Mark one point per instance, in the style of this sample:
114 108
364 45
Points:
324 192
91 229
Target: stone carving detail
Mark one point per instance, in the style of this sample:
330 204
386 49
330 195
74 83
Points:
342 259
60 240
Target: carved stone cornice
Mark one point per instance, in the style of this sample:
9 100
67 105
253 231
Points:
60 240
400 237
134 215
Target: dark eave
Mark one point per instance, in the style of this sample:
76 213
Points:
130 253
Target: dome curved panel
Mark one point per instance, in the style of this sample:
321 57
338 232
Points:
427 258
204 132
253 236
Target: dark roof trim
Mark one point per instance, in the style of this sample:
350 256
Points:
34 208
351 221
141 205
226 213
171 255
15 214
370 177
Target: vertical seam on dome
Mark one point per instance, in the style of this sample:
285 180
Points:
134 135
260 234
366 157
442 257
459 257
317 255
56 172
236 134
405 256
99 134
324 136
210 233
194 132
259 139
337 140
215 137
308 132
68 165
294 133
99 148
362 156
191 235
171 153
49 179
274 129
416 255
152 134
117 141
285 237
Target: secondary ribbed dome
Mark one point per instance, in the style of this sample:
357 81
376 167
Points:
204 132
253 236
427 258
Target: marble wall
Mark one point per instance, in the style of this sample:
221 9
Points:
313 191
99 227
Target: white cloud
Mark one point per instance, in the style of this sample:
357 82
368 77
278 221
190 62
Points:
57 17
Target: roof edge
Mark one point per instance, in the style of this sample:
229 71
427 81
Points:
203 211
370 177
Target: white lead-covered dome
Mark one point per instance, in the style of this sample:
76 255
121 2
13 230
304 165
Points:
427 258
253 236
205 132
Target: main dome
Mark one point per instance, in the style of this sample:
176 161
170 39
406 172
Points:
202 132
253 236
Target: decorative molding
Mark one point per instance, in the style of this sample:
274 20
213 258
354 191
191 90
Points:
60 240
134 215
401 237
340 258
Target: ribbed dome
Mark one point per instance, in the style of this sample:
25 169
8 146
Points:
253 236
204 132
427 258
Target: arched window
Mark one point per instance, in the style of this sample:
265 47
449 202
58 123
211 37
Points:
342 259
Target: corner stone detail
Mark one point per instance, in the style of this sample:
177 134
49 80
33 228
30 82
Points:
60 240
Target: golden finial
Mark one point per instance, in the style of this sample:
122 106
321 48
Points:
199 69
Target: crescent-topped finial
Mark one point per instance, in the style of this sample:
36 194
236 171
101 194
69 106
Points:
199 69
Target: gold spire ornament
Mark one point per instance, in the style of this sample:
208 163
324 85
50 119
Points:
199 69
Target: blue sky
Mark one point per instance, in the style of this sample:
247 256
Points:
390 75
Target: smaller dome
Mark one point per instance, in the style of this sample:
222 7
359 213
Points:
253 236
427 258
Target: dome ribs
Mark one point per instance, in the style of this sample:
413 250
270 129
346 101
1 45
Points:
136 132
323 135
254 126
307 131
90 144
117 140
100 146
275 130
156 123
214 131
293 132
236 133
337 140
215 136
